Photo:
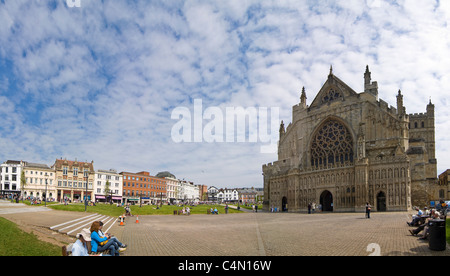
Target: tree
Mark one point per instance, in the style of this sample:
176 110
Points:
107 190
23 182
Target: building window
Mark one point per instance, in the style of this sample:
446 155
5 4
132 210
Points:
332 95
332 144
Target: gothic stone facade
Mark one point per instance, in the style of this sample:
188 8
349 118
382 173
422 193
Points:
349 148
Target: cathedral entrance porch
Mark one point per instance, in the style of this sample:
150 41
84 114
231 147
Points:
381 202
326 200
284 204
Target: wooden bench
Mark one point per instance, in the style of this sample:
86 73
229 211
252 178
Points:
67 250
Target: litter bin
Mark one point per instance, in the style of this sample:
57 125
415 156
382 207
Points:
437 235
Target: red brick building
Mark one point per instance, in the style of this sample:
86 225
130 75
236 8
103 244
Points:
143 188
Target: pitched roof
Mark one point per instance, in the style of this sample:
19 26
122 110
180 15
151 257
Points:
59 163
340 91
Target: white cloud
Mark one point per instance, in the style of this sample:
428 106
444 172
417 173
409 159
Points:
99 82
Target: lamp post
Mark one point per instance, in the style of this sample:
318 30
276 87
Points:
45 195
161 199
85 195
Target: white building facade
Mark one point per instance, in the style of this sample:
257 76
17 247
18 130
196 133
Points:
188 192
40 182
173 186
10 172
108 186
227 195
212 194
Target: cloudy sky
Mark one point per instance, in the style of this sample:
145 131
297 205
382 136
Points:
100 81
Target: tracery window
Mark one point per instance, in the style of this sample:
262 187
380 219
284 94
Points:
332 95
332 144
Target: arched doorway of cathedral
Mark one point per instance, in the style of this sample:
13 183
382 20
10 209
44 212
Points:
284 204
326 200
381 202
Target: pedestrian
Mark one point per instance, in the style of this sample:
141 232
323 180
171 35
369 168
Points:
368 208
121 246
309 208
96 241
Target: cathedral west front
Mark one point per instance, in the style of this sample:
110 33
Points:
348 148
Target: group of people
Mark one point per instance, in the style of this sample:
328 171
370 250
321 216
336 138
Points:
127 211
93 242
214 211
186 211
312 206
421 220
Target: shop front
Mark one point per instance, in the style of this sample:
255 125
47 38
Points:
75 196
108 199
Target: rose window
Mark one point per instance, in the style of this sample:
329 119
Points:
332 144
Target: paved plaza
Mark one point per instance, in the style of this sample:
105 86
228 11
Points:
248 234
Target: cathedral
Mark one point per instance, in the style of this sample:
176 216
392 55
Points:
348 148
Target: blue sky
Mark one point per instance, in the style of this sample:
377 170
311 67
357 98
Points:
99 82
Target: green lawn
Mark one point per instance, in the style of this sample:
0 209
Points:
112 210
248 207
15 242
27 202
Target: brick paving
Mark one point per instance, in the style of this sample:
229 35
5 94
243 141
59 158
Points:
255 234
268 234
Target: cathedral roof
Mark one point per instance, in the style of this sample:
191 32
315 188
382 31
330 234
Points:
334 89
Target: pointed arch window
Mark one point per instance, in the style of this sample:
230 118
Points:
332 95
332 144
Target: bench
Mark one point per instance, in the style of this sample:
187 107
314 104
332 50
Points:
67 250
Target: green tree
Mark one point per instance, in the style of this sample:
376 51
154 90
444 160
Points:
23 183
108 190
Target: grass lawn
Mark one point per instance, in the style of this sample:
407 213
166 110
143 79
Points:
27 202
112 210
248 207
15 242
